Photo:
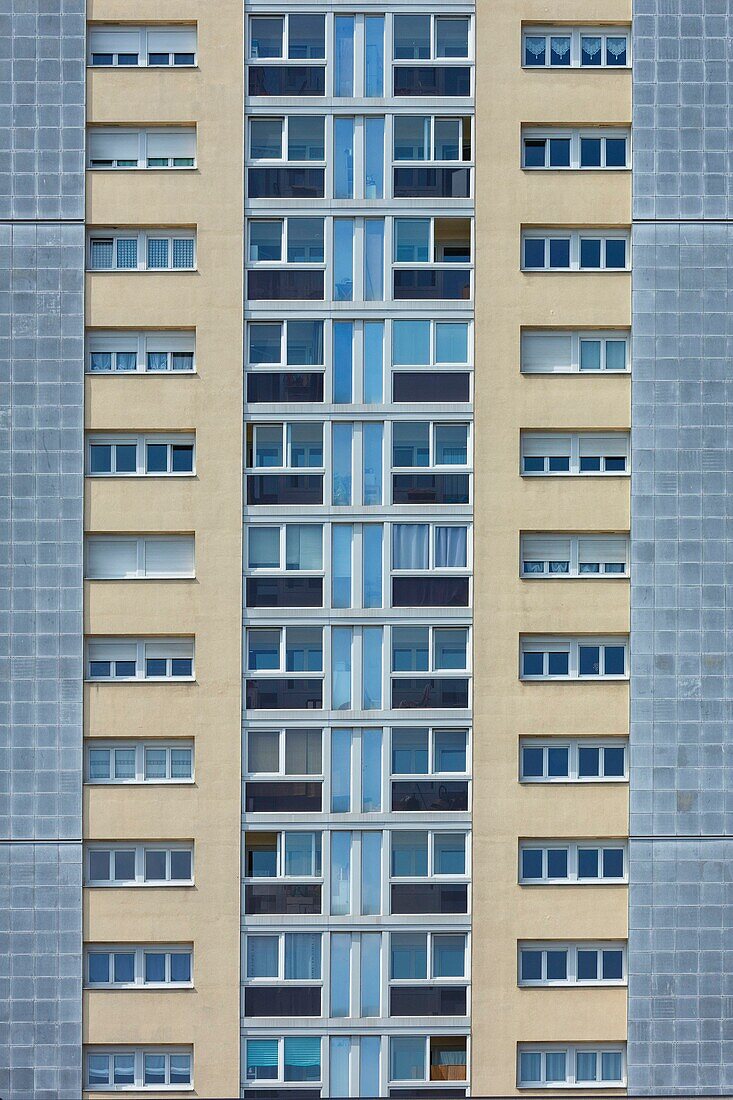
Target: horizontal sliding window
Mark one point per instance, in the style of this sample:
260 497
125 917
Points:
427 1058
113 557
121 455
140 352
141 250
431 37
289 956
289 752
140 659
296 37
157 147
575 250
576 454
572 861
557 556
559 760
553 964
113 1069
554 1065
130 864
139 762
126 967
427 956
291 1059
566 148
559 657
427 854
282 855
556 352
576 47
142 46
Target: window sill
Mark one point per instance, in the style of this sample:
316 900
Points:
139 783
164 577
575 271
149 987
141 373
138 885
572 168
141 271
574 577
143 680
574 473
570 373
565 782
574 679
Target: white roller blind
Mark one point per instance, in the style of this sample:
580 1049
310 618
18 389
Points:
169 556
546 351
172 40
171 143
183 648
595 548
121 341
543 548
112 651
113 144
170 341
613 444
535 444
114 40
111 557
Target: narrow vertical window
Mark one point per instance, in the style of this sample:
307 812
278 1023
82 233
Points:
343 81
374 62
343 158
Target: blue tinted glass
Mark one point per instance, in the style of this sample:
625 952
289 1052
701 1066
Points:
557 966
532 664
587 966
372 570
343 81
558 464
180 968
532 863
588 863
100 458
154 966
557 664
127 253
615 355
614 660
158 59
534 464
534 50
343 265
534 252
532 762
181 666
613 967
590 152
125 668
557 761
534 152
590 252
155 666
611 1065
590 464
183 253
559 152
102 59
374 56
343 333
411 343
590 50
157 253
557 863
531 966
613 863
588 762
341 571
559 252
560 50
615 152
342 438
615 51
373 362
124 967
182 459
614 762
530 1066
373 157
372 443
157 458
616 253
343 158
127 59
126 458
590 656
154 1069
98 967
615 464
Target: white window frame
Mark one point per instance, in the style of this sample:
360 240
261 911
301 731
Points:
141 441
139 951
285 427
283 261
140 344
143 137
568 549
142 236
280 875
432 669
573 847
282 570
572 948
433 424
142 543
434 59
573 745
280 978
575 34
284 161
431 978
431 567
431 264
570 1049
437 1032
431 875
431 118
432 771
577 337
281 773
575 134
139 748
575 236
591 444
284 58
282 670
279 1079
140 850
141 647
553 643
139 1053
176 29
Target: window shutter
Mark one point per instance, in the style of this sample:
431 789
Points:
615 443
171 143
113 342
172 40
168 556
111 558
113 144
602 549
533 443
170 341
112 651
539 548
546 351
173 648
114 41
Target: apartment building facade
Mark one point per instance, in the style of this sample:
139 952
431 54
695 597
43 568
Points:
367 617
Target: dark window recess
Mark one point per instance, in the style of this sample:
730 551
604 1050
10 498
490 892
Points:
417 1094
432 80
287 80
420 693
430 489
285 489
424 794
284 694
282 898
285 183
431 385
288 798
284 285
429 897
429 592
283 1001
431 183
419 1000
284 592
284 386
441 283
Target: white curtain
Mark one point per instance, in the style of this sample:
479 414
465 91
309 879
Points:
410 546
450 547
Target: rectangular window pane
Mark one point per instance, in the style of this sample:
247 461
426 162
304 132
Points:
340 873
371 771
303 956
343 259
303 752
373 259
342 463
369 1048
340 974
373 362
372 446
411 343
372 667
157 253
373 69
262 956
370 973
340 1053
341 564
183 253
343 362
341 667
341 741
127 253
373 157
343 81
372 538
343 158
371 873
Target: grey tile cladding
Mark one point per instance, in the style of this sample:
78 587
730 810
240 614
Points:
681 868
42 62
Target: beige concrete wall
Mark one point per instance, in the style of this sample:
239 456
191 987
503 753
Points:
209 505
505 709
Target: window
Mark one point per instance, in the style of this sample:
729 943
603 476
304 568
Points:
577 761
442 250
295 1058
580 453
140 353
574 861
286 240
588 556
426 150
285 957
282 855
158 147
426 37
295 37
424 444
142 46
121 455
427 751
572 964
141 250
295 547
556 352
285 344
429 1058
428 854
425 546
566 47
575 148
128 966
575 250
563 658
553 1065
119 557
122 1068
139 762
427 956
134 864
292 138
429 649
284 752
295 446
140 659
431 361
